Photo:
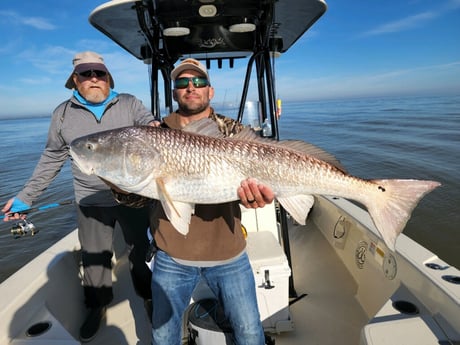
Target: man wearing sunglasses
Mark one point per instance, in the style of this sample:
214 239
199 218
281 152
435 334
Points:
214 248
94 106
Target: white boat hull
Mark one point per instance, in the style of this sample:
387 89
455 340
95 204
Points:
349 297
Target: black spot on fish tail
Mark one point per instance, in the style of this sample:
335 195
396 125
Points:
382 189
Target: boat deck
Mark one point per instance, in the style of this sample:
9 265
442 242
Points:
328 312
127 322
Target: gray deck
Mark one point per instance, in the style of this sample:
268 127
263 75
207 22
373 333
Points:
328 312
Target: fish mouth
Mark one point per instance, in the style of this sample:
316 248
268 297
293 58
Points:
80 165
85 169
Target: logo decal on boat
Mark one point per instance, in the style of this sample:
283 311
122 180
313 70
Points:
360 254
212 42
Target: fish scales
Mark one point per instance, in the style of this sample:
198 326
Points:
284 170
232 161
182 168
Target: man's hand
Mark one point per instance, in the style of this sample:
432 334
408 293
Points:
254 194
13 208
155 123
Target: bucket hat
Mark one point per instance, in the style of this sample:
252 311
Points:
86 61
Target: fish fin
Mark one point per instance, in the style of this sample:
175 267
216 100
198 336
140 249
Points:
179 214
204 127
165 195
312 150
248 134
392 210
298 206
209 127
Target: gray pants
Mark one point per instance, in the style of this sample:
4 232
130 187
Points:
95 232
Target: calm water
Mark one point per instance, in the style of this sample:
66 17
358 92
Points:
374 138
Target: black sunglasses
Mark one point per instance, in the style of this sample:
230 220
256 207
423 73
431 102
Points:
198 82
89 73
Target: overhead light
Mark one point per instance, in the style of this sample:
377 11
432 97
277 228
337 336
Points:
207 10
176 31
244 26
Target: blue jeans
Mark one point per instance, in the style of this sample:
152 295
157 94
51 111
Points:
233 284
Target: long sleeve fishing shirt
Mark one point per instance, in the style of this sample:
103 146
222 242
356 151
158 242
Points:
71 120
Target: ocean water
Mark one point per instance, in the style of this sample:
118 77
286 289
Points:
412 137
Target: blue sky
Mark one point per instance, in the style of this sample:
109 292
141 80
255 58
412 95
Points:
357 49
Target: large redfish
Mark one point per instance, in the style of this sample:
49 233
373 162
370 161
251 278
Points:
199 166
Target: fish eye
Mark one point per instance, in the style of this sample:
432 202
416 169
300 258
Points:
89 146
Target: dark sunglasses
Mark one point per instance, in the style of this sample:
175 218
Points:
89 73
198 82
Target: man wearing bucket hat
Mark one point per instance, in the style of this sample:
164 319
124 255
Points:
94 106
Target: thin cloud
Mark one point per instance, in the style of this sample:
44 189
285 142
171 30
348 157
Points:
38 23
403 24
38 81
35 22
413 21
52 59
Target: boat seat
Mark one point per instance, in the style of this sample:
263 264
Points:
51 332
417 330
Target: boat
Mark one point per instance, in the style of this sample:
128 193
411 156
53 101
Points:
331 281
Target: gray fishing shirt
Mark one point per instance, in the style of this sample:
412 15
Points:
71 120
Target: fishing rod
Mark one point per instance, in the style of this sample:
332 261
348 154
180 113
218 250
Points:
24 226
41 208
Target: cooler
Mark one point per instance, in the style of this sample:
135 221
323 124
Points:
271 272
207 324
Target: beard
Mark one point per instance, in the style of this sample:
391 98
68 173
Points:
96 96
192 108
94 93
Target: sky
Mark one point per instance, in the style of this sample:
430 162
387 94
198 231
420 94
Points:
373 48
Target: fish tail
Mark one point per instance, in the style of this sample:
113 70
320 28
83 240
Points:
392 207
